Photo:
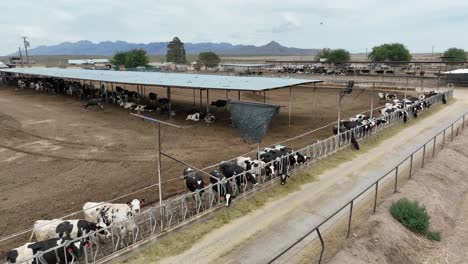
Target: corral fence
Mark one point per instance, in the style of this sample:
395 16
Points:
311 246
181 209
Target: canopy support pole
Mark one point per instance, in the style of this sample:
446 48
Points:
227 94
264 97
193 96
313 102
201 93
238 95
289 108
169 103
207 101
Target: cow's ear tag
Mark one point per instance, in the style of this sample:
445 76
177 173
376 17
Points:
70 250
86 245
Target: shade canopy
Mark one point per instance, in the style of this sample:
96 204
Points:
177 80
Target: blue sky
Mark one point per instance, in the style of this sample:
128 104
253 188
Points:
353 25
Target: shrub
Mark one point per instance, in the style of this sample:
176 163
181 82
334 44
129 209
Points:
433 235
411 214
414 216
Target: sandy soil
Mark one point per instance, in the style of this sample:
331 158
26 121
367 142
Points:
55 156
442 187
256 237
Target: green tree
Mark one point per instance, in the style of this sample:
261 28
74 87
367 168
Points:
176 51
334 56
390 52
131 59
119 58
209 59
454 54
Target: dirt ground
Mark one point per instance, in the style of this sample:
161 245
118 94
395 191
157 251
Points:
442 187
55 156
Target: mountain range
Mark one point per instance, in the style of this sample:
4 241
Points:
85 47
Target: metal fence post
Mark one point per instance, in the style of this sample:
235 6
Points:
322 243
411 165
376 194
434 147
350 217
443 140
396 179
424 156
463 122
452 132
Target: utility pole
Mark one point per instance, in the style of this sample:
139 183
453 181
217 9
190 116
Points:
21 57
26 45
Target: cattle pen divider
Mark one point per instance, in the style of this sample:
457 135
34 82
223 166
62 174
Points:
177 211
318 230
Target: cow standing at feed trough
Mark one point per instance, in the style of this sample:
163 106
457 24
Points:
193 180
222 186
230 170
27 252
58 228
120 215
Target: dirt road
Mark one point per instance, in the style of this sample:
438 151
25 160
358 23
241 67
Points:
256 237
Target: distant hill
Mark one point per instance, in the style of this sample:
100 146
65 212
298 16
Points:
108 48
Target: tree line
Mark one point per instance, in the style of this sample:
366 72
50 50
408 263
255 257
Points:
176 53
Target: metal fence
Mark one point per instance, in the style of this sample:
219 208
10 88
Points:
181 209
345 213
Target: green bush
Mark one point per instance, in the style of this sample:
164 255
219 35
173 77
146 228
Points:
414 216
411 214
434 235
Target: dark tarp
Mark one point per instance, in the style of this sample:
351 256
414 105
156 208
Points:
253 119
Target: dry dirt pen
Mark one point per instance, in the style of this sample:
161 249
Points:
326 239
183 208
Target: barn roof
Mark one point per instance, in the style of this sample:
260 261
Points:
177 80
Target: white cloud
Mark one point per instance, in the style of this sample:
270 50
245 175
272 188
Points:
354 25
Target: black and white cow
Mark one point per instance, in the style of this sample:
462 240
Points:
120 215
109 213
193 180
26 253
58 228
224 187
230 170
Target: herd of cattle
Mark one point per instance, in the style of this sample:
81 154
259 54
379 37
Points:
392 105
99 217
229 179
66 235
97 97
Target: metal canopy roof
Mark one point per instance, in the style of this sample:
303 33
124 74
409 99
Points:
177 80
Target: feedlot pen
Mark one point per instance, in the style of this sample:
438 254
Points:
55 156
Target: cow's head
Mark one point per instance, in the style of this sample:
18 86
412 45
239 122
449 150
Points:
135 205
251 178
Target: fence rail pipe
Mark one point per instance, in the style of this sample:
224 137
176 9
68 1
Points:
434 146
